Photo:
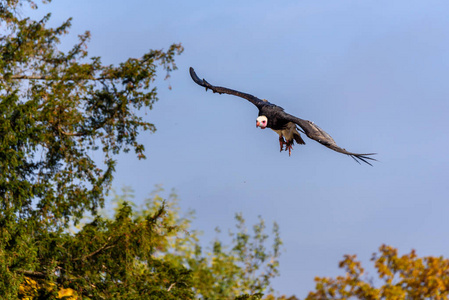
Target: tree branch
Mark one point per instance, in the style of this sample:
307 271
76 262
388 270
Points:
34 274
43 77
104 247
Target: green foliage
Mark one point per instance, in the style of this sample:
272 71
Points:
58 110
113 258
242 269
256 296
119 256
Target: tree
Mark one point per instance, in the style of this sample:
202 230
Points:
243 266
57 109
401 277
112 259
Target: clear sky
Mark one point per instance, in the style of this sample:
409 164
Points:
373 74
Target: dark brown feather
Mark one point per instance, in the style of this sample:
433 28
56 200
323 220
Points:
277 119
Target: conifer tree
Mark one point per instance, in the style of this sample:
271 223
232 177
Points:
58 109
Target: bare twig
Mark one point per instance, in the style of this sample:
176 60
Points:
171 285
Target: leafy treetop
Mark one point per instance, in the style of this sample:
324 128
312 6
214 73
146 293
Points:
58 109
402 277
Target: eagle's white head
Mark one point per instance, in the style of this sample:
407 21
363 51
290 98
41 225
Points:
262 122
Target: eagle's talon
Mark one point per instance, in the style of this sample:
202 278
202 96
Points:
282 143
289 147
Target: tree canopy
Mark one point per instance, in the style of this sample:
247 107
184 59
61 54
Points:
58 110
398 277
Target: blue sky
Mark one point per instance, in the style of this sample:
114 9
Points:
373 74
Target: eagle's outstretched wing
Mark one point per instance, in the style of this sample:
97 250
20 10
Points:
316 133
222 90
309 128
